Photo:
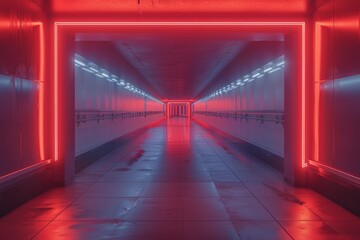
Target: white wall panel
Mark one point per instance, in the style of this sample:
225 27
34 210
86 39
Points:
97 95
264 95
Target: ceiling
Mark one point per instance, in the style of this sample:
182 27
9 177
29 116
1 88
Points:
179 67
179 64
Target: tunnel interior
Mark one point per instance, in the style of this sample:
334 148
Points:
182 66
81 81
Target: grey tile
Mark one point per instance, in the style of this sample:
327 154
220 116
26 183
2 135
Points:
261 230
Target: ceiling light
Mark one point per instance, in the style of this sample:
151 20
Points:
86 69
80 63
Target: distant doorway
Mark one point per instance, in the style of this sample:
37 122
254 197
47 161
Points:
178 109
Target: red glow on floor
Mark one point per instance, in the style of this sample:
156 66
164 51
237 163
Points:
178 133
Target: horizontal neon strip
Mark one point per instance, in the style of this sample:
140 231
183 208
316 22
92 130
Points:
23 171
179 23
337 172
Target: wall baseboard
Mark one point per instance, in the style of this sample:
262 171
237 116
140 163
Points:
25 188
337 189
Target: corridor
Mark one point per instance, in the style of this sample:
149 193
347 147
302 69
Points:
179 180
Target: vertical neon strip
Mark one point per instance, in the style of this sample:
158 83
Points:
317 77
303 49
188 110
41 92
41 68
168 109
56 96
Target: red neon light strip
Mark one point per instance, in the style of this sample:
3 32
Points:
56 95
335 171
22 171
70 23
40 27
41 94
301 24
303 42
317 66
168 110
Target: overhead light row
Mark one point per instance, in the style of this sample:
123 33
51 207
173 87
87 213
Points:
99 72
268 68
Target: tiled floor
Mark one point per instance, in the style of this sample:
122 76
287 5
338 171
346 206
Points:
176 181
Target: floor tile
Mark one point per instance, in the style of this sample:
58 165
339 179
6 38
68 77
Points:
230 189
204 209
261 230
326 209
318 230
206 189
38 209
269 189
163 190
95 208
125 176
223 176
178 180
347 229
114 190
20 230
210 230
216 165
79 230
246 209
71 191
288 209
154 230
155 209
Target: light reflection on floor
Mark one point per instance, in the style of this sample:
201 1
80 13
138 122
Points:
175 181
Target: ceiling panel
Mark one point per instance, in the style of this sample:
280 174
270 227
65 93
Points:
179 64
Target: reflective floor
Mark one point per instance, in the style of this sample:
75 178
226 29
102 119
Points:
178 180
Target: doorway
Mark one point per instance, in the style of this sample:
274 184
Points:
178 109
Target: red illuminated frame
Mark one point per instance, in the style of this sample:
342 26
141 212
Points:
72 24
187 103
317 79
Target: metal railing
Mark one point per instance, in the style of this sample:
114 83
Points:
261 116
83 116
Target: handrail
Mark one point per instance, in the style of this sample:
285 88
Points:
84 115
262 116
